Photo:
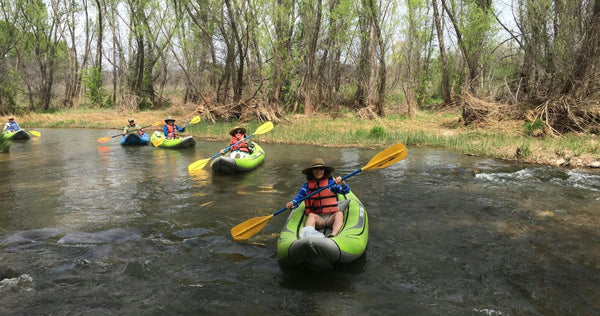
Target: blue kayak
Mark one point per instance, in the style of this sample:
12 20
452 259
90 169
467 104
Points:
135 139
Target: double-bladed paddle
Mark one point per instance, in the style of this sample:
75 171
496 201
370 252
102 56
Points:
199 164
103 140
157 142
383 159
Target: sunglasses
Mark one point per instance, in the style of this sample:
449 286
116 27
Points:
239 132
318 168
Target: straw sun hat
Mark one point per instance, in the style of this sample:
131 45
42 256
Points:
317 162
232 132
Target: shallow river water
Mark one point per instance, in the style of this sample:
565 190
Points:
109 230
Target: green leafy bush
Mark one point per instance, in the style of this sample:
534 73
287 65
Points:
534 128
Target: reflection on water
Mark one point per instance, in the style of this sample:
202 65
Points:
105 229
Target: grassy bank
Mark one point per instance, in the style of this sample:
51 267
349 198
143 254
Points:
505 140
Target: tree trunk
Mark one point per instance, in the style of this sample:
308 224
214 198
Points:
585 74
100 39
312 28
238 80
445 84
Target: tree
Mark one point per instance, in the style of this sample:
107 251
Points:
439 27
8 88
38 49
284 16
66 13
473 28
310 14
415 53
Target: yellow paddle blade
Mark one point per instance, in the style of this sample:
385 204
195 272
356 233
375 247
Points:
198 164
195 120
250 227
264 128
387 157
35 133
103 140
157 142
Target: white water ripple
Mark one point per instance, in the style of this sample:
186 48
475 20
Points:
577 179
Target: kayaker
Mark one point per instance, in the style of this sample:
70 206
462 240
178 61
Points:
133 127
239 147
11 125
321 209
170 130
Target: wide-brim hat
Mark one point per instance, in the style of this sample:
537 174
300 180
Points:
232 132
130 120
169 119
317 162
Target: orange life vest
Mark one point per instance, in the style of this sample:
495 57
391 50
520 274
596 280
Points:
171 131
243 146
324 202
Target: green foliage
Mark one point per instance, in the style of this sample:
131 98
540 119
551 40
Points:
478 29
395 97
377 132
580 145
360 134
398 117
94 89
532 127
9 90
4 144
524 151
144 104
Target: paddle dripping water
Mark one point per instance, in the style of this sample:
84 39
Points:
119 230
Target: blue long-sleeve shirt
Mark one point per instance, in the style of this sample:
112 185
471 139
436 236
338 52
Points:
335 188
12 126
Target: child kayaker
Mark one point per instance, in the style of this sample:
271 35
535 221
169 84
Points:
239 147
170 130
321 209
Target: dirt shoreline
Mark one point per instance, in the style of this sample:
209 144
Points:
442 125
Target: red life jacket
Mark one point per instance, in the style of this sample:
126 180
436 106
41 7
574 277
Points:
171 131
243 146
324 202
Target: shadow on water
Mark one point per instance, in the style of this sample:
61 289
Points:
335 280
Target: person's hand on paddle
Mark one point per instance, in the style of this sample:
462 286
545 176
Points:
338 181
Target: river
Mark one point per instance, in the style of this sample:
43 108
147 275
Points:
100 229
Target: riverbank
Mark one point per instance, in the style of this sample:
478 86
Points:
503 140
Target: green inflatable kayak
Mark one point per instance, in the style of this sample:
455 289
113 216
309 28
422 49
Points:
158 140
227 164
16 135
320 253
